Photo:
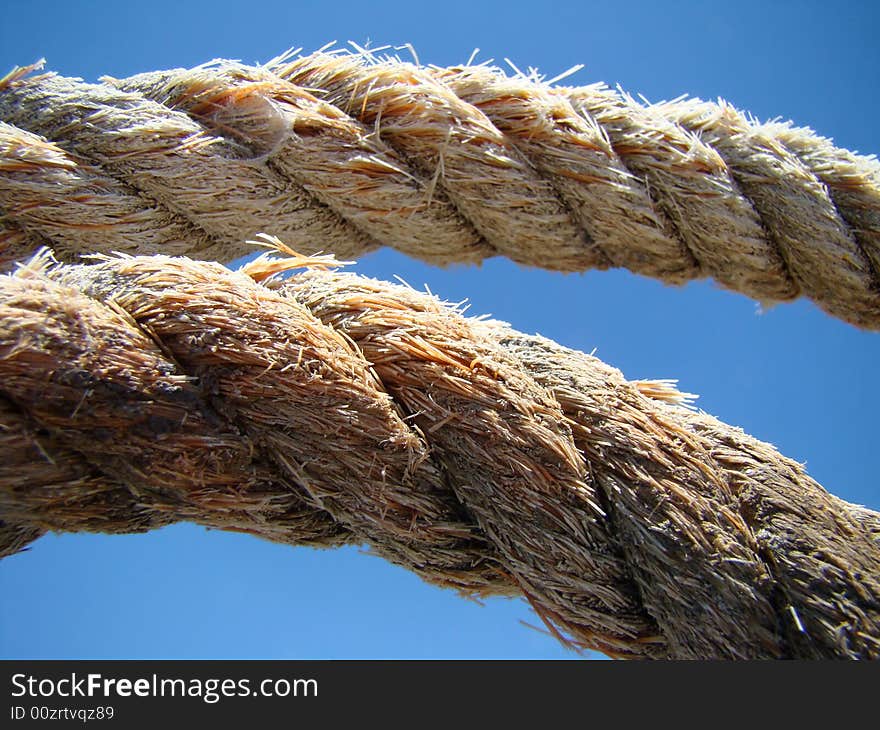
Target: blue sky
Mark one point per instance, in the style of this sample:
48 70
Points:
792 376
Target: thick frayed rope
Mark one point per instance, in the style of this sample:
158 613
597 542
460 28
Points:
328 408
347 152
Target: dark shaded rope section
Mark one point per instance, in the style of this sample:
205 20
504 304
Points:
329 408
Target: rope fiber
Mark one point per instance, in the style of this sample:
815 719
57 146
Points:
350 152
325 408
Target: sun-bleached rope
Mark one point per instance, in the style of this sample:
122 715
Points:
327 408
345 152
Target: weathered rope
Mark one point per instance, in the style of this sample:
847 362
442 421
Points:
346 152
330 408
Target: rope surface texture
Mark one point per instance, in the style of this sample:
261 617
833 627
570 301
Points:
346 152
327 408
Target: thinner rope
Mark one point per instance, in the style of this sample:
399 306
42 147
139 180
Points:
328 408
348 152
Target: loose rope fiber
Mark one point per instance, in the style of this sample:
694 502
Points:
328 408
346 152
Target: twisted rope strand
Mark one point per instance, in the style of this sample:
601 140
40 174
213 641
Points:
693 190
575 154
79 207
328 408
16 244
336 158
171 159
441 136
350 151
853 184
820 249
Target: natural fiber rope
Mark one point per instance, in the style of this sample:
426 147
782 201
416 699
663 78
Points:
329 408
347 152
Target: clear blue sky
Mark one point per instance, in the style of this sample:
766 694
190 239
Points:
792 376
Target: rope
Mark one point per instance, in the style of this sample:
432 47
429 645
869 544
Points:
327 408
348 152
